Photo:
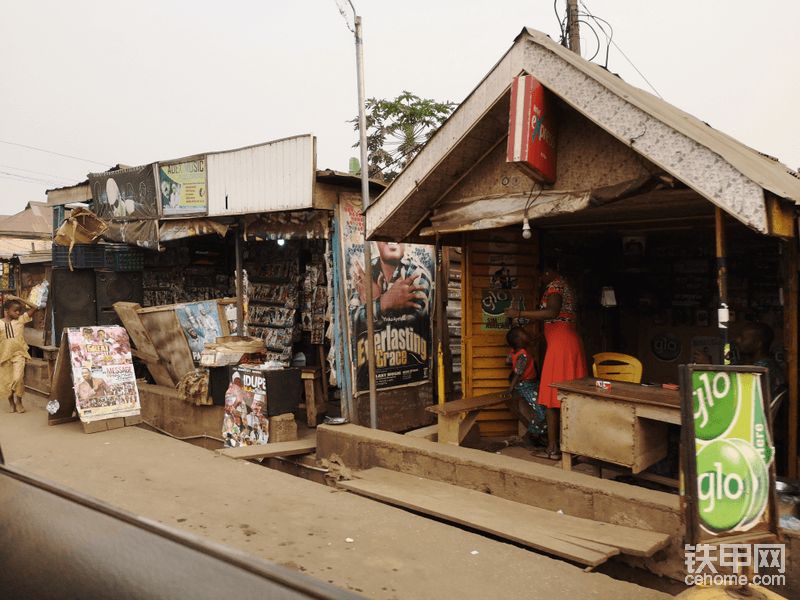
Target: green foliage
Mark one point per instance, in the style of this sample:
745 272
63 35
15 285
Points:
398 129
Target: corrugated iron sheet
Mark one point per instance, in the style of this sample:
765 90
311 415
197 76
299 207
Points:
269 177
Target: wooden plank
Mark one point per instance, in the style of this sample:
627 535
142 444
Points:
581 540
304 446
128 314
61 388
168 337
622 390
467 404
104 425
148 358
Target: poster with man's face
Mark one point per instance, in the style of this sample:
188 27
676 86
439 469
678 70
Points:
103 378
200 323
402 280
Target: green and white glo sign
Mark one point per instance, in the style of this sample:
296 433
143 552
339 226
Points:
733 449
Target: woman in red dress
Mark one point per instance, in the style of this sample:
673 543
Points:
564 359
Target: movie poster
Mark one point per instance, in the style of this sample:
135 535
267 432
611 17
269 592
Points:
200 323
245 422
402 279
102 373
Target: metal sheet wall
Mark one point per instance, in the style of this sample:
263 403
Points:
269 177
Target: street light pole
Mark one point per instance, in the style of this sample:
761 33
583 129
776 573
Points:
362 128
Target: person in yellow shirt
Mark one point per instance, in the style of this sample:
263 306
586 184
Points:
14 351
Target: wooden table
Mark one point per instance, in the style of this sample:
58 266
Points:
626 425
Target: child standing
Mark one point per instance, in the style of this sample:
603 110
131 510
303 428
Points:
14 351
524 380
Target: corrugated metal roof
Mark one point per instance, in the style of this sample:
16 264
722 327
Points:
35 222
716 166
269 177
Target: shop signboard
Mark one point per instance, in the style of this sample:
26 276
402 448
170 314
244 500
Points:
402 279
102 373
125 194
533 129
728 471
183 187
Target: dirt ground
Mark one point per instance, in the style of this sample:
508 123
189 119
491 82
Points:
352 542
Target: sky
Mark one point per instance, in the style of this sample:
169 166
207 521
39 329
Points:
88 84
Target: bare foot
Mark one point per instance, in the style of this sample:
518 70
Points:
20 408
13 407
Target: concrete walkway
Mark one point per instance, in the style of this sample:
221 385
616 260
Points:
354 543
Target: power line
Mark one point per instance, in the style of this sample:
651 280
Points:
611 41
56 153
26 179
38 173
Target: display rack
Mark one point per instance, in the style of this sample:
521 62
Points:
273 281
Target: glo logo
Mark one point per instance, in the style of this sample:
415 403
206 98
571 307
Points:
716 404
733 485
495 301
666 346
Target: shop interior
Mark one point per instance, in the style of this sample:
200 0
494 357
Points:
653 295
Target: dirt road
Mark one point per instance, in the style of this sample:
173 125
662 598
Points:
290 521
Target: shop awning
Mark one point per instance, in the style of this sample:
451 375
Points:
501 210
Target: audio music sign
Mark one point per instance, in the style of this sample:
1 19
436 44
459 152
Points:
728 455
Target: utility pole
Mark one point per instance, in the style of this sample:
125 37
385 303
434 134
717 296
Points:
574 35
362 128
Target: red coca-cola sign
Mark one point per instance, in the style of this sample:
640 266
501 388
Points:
533 129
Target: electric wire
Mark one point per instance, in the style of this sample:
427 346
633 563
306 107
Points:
38 173
27 179
610 38
56 153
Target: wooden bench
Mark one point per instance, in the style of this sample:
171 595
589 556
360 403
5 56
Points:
457 417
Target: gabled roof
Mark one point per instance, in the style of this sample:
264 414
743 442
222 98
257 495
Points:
33 223
722 170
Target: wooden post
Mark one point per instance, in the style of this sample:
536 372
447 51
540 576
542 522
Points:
790 334
443 367
467 303
238 239
573 27
722 281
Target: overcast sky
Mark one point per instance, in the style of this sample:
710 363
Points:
87 84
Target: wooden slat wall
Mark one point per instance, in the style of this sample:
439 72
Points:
484 368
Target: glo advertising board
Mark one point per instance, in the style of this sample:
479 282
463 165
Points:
728 471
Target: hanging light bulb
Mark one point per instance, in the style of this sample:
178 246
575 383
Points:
526 229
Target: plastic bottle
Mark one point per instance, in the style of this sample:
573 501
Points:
42 293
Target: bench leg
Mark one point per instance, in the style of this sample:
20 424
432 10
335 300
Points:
448 429
454 428
566 461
